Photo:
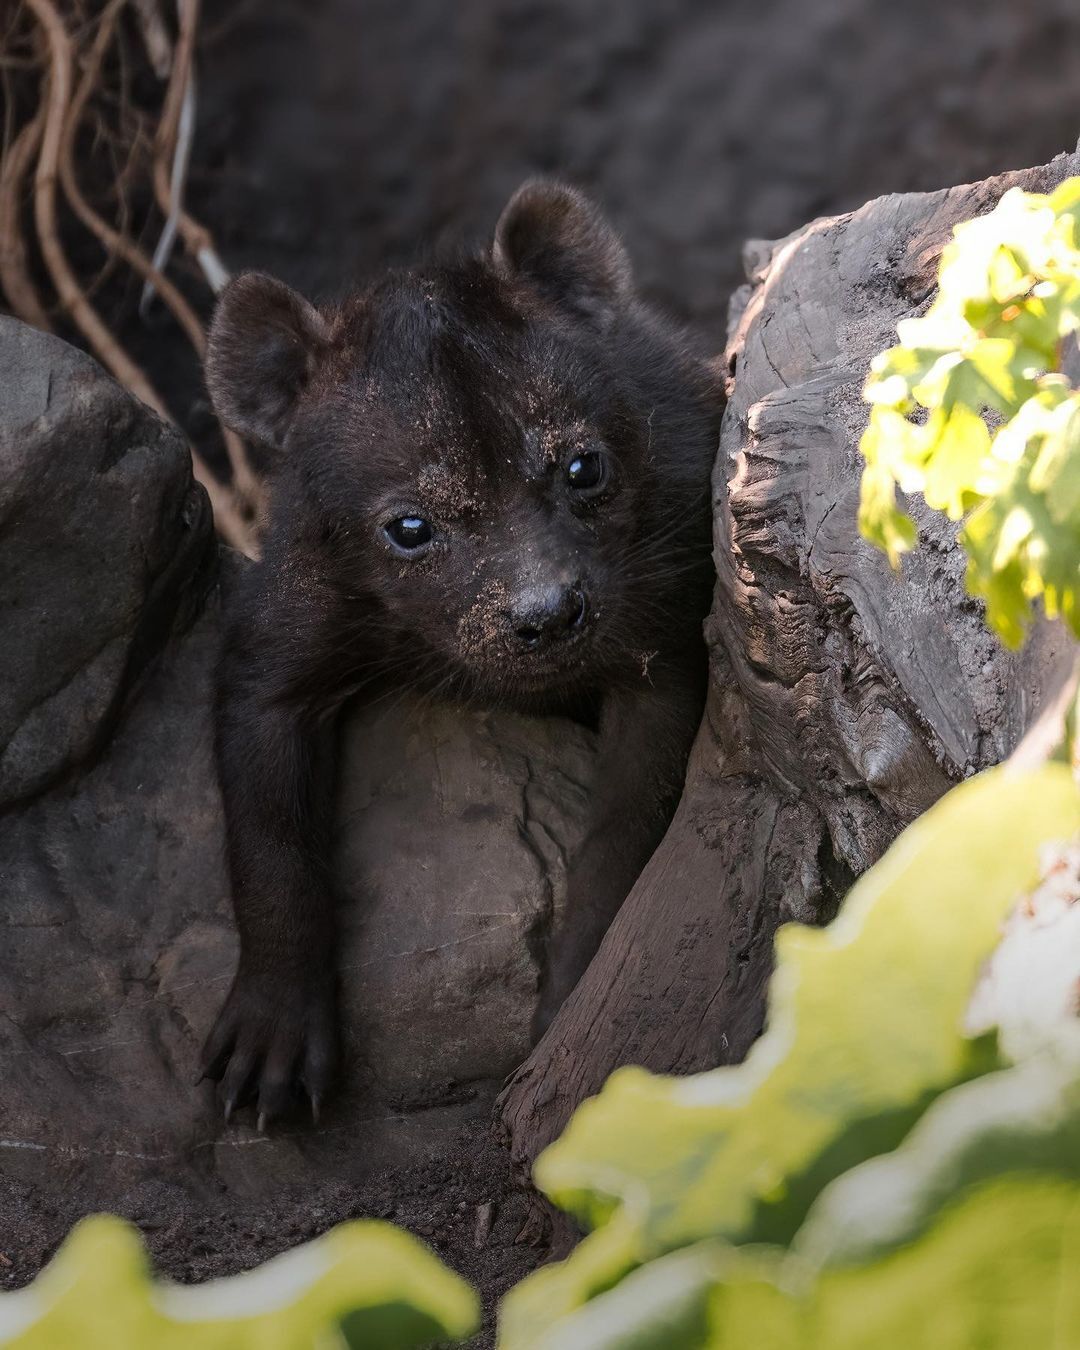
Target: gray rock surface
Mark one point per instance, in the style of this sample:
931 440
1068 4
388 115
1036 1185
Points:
454 832
103 541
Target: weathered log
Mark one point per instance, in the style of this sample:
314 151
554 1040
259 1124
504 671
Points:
843 699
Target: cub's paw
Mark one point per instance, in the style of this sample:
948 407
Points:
273 1041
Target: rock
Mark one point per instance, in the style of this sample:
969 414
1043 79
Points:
117 932
103 544
454 832
843 699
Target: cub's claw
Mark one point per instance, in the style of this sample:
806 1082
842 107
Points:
270 1043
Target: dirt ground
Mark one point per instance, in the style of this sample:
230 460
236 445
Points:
339 136
454 1193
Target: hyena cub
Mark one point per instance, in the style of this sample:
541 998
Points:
493 486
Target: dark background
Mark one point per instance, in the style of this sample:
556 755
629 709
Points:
337 136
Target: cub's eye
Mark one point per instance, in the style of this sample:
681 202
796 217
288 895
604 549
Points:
587 472
409 534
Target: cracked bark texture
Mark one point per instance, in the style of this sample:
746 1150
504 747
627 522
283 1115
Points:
843 700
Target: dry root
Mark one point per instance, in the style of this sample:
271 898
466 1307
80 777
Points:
65 65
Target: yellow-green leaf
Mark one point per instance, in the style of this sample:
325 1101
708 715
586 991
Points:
364 1284
1008 297
864 1031
996 1270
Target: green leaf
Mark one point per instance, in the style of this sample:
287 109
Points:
1025 1118
962 1236
363 1284
880 519
665 1306
1009 294
554 1291
1055 473
997 371
864 1031
961 447
1066 196
995 1270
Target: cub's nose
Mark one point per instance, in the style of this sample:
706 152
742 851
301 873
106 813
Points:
546 615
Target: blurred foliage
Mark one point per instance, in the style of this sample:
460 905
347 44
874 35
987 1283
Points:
760 1173
993 341
365 1286
995 1270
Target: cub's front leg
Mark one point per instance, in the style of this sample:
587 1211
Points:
276 702
645 738
278 1029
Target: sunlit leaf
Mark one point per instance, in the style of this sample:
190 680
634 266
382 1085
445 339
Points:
996 1269
364 1285
864 1032
1008 297
962 446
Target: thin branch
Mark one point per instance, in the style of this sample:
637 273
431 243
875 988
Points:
177 178
155 36
177 125
238 13
112 240
231 525
9 107
182 88
229 522
15 279
81 312
171 153
249 486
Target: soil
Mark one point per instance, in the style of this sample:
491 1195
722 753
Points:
453 1192
337 137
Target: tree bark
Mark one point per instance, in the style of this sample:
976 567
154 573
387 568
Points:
844 699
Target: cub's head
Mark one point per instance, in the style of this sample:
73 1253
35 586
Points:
501 463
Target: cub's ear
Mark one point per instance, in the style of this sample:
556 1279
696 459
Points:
264 344
553 237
